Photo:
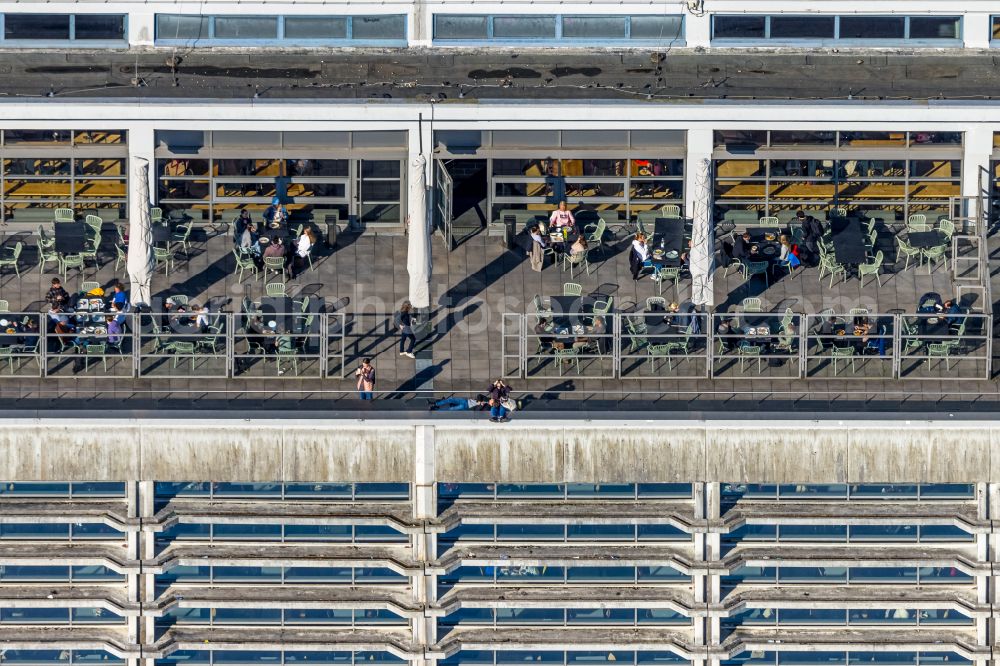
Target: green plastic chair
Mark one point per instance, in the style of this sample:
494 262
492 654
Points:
89 285
947 228
211 341
121 259
594 234
658 351
155 215
15 255
873 268
572 289
183 349
275 265
95 350
668 274
903 248
940 350
769 222
245 263
844 355
917 222
656 302
274 289
827 264
7 354
574 261
68 261
749 353
603 307
933 255
670 210
567 355
752 305
752 268
165 257
184 237
64 215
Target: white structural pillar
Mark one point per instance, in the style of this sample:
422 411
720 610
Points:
976 159
425 544
418 259
697 26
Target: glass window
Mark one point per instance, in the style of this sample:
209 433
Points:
593 27
177 26
524 27
802 27
246 27
37 137
738 27
315 27
378 27
934 27
455 26
36 26
99 26
812 616
656 28
872 27
996 35
802 138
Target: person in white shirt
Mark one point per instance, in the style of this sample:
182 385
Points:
638 255
561 218
302 249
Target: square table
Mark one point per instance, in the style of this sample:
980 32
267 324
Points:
280 310
925 239
848 240
160 233
70 237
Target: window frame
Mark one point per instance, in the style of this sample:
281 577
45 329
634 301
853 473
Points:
121 43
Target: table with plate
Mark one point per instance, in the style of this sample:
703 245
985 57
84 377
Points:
667 243
924 240
9 330
848 241
764 243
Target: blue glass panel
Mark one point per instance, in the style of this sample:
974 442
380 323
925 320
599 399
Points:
600 490
318 532
508 490
882 616
809 574
529 532
36 656
238 531
471 532
661 574
947 491
380 533
471 657
94 615
530 615
761 658
600 657
943 658
319 615
600 615
247 573
884 532
185 531
318 491
246 489
812 491
34 615
661 616
812 616
944 533
528 573
248 615
383 491
943 616
751 575
96 656
318 574
298 657
185 489
38 572
809 658
187 657
883 658
749 491
601 532
377 575
96 531
812 532
467 573
884 574
33 488
468 616
99 489
377 657
457 490
522 656
95 572
943 575
664 490
662 533
751 617
752 533
884 490
377 616
246 657
183 574
600 573
650 658
34 531
187 616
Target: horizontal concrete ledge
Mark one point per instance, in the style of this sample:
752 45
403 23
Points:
525 450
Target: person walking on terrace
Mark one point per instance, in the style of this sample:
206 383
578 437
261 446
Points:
404 321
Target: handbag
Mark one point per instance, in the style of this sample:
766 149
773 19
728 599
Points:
509 404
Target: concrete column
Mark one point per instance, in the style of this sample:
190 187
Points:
141 27
147 590
418 180
698 28
976 157
134 547
699 147
976 30
424 586
711 597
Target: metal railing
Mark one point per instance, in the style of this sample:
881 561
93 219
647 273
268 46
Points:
856 345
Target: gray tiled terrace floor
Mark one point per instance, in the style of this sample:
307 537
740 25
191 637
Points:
471 287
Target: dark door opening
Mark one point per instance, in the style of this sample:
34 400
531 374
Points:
470 193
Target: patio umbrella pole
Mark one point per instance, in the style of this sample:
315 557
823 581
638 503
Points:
703 241
141 262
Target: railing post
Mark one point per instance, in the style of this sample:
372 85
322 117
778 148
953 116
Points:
897 345
803 342
230 345
324 344
134 324
616 345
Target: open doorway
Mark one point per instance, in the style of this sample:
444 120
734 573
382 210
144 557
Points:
470 183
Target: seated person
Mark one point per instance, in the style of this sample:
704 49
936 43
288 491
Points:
953 309
537 237
201 321
115 331
29 338
275 212
118 296
275 249
248 240
930 303
788 338
57 296
578 247
741 246
119 314
240 225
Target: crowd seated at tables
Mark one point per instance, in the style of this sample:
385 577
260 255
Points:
294 248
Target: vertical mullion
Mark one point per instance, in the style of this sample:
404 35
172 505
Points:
72 27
